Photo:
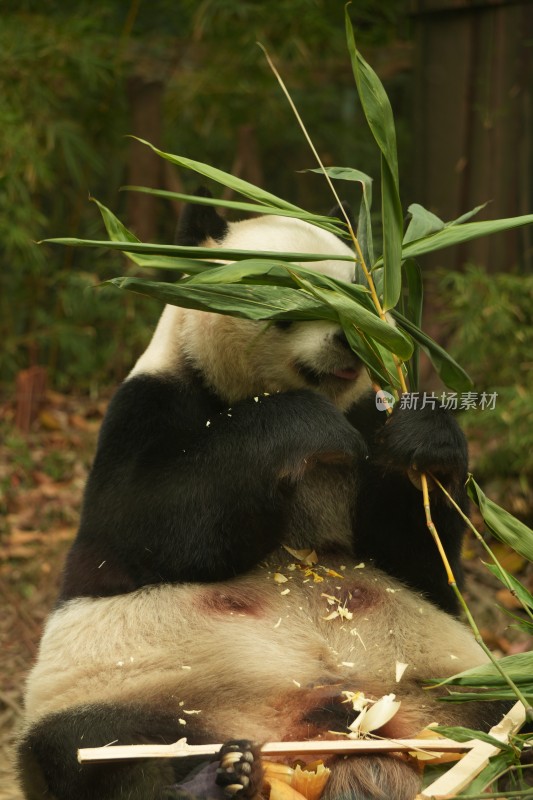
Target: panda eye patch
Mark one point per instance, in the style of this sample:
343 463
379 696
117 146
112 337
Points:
283 324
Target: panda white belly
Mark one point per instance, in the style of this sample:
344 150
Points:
260 645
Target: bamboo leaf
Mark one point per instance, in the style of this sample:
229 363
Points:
509 581
501 523
266 271
194 252
118 232
378 113
392 218
503 692
468 215
519 667
381 369
256 271
497 765
448 369
375 357
230 181
459 734
240 300
343 174
256 208
364 229
364 223
367 321
457 234
411 304
422 223
375 103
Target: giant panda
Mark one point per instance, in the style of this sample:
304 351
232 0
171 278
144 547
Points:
229 442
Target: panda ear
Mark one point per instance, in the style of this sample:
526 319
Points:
198 223
336 211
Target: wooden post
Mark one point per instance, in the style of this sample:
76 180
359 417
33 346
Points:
473 126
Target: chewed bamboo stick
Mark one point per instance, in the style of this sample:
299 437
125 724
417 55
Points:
459 776
181 748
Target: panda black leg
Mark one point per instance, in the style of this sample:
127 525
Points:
49 768
240 772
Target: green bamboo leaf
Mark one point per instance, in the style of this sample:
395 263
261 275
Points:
411 304
459 734
118 232
501 523
262 271
376 105
497 765
367 321
519 667
382 370
509 581
503 692
343 174
457 234
320 221
468 215
378 113
364 229
364 224
239 300
422 223
230 181
193 252
265 271
375 357
448 369
392 219
257 271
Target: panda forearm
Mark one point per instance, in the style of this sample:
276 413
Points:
395 536
200 503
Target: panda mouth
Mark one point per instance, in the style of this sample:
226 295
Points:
316 377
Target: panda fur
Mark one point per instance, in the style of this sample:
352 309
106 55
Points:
228 440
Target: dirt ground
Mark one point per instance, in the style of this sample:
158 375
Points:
42 475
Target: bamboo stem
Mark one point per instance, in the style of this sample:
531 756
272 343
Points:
433 530
359 252
181 748
482 541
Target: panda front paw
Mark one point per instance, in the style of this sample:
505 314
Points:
240 773
427 440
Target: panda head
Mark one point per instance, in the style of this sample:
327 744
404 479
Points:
239 358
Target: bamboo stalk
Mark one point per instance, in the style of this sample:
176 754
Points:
345 747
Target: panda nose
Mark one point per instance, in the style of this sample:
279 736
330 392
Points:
340 337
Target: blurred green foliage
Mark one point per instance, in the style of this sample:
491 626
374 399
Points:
492 319
65 76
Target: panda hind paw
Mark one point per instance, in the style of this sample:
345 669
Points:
240 773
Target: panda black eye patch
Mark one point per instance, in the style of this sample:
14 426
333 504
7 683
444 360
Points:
283 324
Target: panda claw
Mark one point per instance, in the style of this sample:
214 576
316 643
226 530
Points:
239 771
230 758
